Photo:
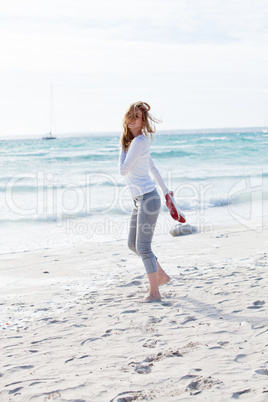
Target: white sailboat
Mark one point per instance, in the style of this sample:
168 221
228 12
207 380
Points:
50 136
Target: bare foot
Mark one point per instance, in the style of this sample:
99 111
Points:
163 278
150 299
154 294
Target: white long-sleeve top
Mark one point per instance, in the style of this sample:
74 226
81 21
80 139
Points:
136 165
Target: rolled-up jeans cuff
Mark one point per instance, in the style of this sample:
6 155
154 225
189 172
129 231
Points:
150 265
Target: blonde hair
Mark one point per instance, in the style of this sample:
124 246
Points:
148 126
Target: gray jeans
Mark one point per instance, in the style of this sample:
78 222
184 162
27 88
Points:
142 223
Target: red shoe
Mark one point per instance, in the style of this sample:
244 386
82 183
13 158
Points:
174 210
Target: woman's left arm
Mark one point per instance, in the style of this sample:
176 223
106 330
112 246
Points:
157 177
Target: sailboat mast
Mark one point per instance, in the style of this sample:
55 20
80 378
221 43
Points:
50 136
51 108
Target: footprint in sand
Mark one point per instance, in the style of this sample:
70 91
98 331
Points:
15 391
151 343
22 367
150 360
165 303
201 383
154 358
188 319
257 304
107 333
223 343
129 311
262 371
240 358
144 368
154 320
89 340
236 395
35 383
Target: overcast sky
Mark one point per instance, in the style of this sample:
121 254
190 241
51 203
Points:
200 64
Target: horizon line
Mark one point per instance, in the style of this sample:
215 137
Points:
223 130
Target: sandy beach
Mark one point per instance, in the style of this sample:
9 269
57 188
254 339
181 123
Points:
73 327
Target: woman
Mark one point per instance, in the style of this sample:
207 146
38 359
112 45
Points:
135 164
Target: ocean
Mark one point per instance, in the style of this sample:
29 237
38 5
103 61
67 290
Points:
64 191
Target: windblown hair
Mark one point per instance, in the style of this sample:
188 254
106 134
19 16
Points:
148 126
